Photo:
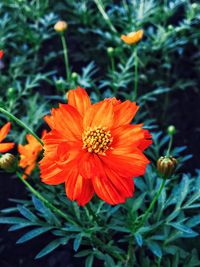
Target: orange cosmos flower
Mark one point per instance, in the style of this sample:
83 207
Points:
133 37
4 147
1 54
29 154
94 148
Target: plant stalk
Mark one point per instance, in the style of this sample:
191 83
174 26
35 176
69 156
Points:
44 200
135 73
104 14
65 53
146 214
21 123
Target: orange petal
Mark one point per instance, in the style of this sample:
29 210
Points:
128 137
130 165
100 114
124 113
79 99
4 130
133 37
78 188
113 189
4 147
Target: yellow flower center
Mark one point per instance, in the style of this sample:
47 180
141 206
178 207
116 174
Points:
97 140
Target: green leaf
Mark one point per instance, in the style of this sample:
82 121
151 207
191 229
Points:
33 233
49 248
12 220
138 239
155 249
183 190
89 261
137 203
109 260
182 228
194 221
77 242
27 213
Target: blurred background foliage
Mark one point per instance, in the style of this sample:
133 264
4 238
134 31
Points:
32 78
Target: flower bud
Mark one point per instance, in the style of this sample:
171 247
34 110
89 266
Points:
74 76
170 27
171 130
110 51
166 166
194 5
60 26
8 162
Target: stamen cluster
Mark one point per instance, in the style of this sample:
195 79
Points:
97 140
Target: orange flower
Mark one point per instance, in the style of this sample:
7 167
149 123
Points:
29 154
1 54
133 37
4 147
94 148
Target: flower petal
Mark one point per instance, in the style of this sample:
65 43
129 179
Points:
78 188
79 99
112 188
124 113
4 130
4 147
100 114
130 165
128 137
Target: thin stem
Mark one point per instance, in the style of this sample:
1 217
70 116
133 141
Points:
21 123
44 200
135 73
146 214
104 14
169 146
112 63
129 256
91 212
65 52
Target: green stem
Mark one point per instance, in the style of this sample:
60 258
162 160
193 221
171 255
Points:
104 14
129 261
65 52
21 123
44 200
112 63
169 146
136 73
146 214
91 212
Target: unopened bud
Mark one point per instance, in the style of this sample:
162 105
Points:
170 27
60 26
110 51
166 166
74 76
171 130
8 162
194 5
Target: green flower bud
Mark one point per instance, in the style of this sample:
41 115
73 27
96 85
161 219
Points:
194 5
8 162
74 76
110 51
170 27
166 166
171 130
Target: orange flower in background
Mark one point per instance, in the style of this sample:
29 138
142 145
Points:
4 147
1 54
133 37
29 154
94 148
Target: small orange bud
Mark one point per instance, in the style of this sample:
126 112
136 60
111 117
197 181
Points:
60 26
166 166
8 162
